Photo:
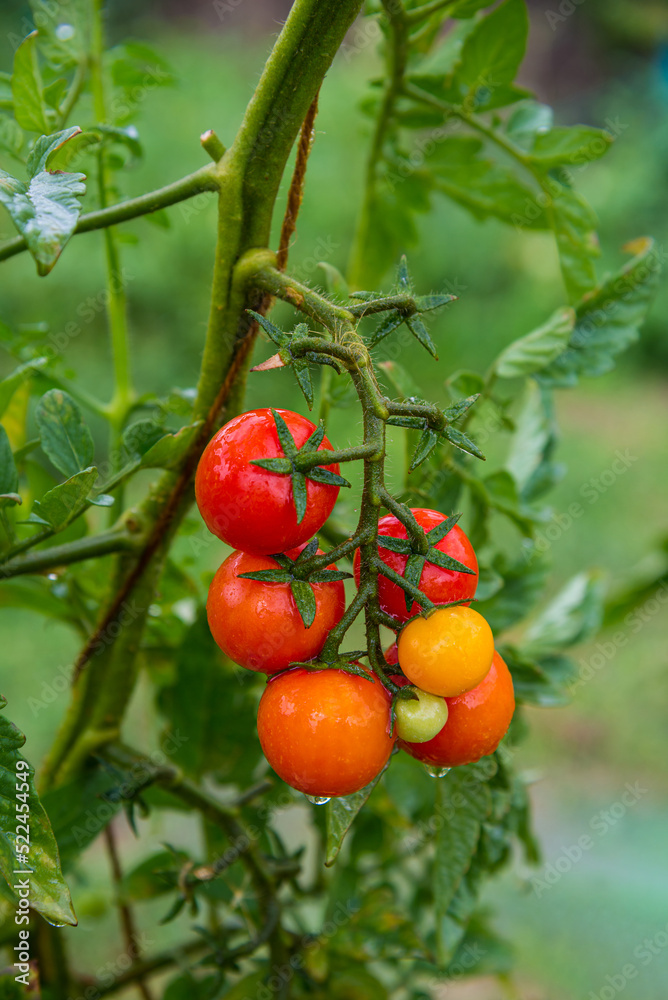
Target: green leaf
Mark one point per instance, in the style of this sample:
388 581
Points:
574 145
9 385
48 893
340 815
573 616
139 437
574 225
45 147
523 583
11 136
9 477
34 593
527 121
533 443
608 320
463 804
538 349
532 682
29 109
303 375
169 451
304 597
491 55
482 186
64 437
81 809
66 500
46 210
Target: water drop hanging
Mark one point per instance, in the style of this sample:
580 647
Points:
436 772
318 800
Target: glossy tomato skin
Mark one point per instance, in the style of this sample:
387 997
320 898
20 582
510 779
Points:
440 585
477 722
249 507
257 623
446 651
325 732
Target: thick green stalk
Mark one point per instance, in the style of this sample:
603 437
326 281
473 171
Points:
89 547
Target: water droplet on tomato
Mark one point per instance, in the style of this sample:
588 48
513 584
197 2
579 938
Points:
436 772
318 800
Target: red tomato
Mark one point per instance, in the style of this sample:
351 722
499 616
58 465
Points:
257 623
252 508
440 585
325 732
477 721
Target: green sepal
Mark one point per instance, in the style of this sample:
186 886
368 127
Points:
285 438
424 448
419 331
283 466
277 335
400 545
329 576
313 442
300 495
412 574
309 550
425 303
305 601
268 576
459 408
437 534
320 474
403 277
444 561
463 442
303 375
385 327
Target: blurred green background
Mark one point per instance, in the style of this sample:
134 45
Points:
605 63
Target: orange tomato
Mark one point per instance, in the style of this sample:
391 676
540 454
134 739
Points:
447 652
325 732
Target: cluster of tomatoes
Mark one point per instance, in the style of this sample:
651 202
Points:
329 732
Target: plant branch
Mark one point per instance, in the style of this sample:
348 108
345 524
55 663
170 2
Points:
104 544
204 179
127 919
418 14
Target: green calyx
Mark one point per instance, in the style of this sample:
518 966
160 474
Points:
300 463
422 550
299 576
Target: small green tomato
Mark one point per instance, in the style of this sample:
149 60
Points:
420 720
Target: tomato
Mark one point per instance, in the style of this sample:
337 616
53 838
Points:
422 718
446 652
252 508
440 585
325 732
257 623
477 722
